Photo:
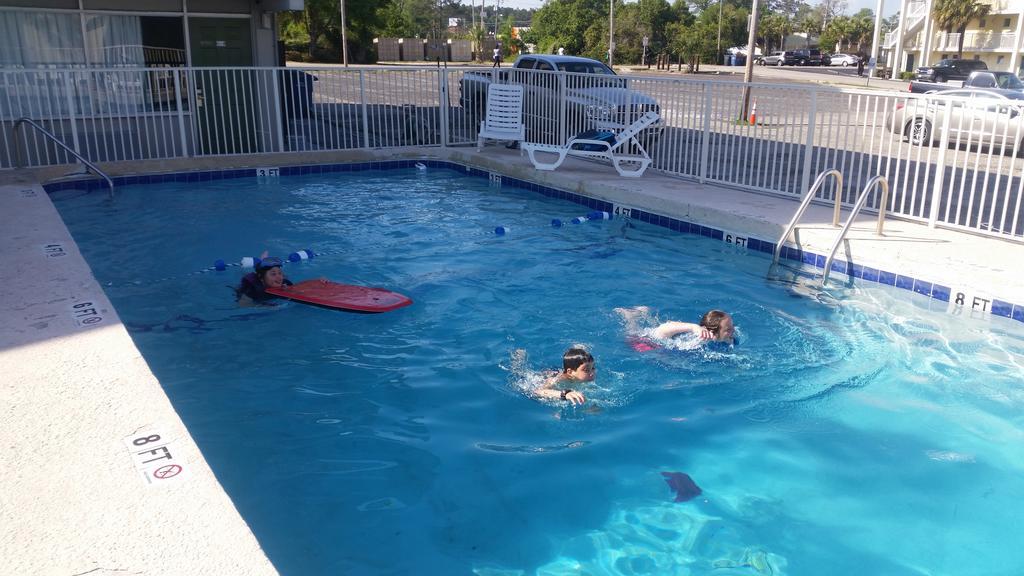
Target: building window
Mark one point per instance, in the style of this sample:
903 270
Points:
981 24
999 60
1006 22
40 39
117 41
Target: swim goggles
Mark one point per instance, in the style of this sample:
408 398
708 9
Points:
270 262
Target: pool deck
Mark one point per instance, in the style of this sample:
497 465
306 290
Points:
88 489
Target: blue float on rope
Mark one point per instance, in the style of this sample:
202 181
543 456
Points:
301 255
501 230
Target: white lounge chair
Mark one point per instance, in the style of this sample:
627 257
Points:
611 149
503 119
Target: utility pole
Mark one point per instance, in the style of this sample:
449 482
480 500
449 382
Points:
344 39
748 74
611 31
719 30
874 40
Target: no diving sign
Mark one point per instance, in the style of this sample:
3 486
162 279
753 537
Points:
155 456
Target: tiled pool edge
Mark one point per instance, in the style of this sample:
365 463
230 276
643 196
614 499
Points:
919 286
99 471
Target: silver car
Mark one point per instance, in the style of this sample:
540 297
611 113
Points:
990 118
844 60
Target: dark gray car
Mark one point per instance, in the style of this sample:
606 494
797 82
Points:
949 69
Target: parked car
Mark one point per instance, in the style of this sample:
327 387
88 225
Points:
949 69
985 117
595 96
807 57
844 60
980 79
780 58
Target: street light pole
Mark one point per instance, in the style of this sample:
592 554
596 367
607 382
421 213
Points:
611 32
497 6
344 41
748 75
719 30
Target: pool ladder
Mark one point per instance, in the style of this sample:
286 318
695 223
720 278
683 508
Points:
861 200
50 136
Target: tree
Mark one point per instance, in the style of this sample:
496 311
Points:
786 8
862 29
772 27
956 15
397 23
829 9
694 43
565 23
837 33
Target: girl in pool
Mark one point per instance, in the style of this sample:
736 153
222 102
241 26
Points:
715 325
577 367
268 274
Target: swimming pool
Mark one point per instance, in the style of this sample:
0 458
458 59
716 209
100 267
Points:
854 431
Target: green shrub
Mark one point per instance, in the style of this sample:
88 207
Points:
906 75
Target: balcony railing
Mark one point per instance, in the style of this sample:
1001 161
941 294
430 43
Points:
975 41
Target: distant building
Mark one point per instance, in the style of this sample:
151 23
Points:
918 40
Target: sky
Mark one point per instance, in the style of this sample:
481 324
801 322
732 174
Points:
891 6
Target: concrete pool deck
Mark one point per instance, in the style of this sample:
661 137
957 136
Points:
89 489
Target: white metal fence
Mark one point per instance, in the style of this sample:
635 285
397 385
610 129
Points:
952 162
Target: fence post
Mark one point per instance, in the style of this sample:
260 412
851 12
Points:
362 103
805 179
940 165
181 114
69 88
705 137
278 120
563 135
442 105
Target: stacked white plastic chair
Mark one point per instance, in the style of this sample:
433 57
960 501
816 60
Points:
503 119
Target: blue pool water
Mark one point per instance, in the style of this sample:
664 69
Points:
852 432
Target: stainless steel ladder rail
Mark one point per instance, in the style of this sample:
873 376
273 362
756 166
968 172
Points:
818 183
58 142
861 200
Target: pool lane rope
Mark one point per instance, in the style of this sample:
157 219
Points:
557 223
219 265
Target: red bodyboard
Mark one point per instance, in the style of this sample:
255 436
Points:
342 296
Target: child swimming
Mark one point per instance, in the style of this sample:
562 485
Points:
577 367
715 325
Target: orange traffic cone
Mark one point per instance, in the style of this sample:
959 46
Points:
753 113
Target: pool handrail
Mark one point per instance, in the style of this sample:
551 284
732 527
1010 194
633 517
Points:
818 183
861 200
58 142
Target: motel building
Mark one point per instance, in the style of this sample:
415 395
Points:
95 72
918 40
142 33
